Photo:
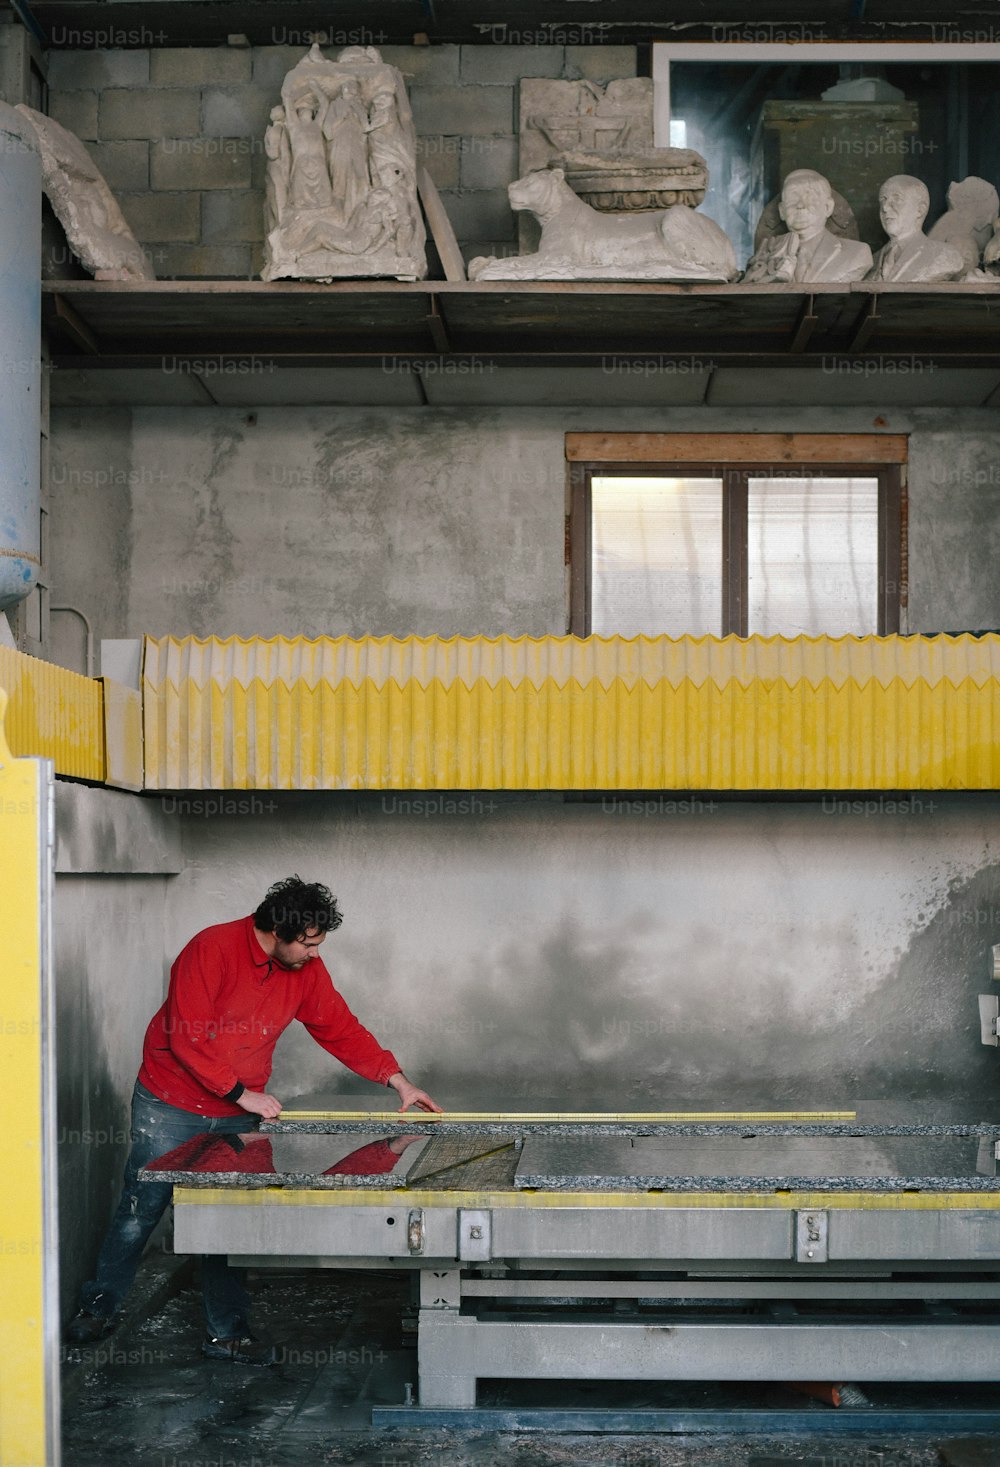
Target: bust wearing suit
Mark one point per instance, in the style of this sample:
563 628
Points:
808 251
909 255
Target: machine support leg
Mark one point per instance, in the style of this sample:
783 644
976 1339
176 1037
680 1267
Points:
443 1382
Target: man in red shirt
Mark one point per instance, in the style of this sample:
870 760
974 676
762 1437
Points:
206 1062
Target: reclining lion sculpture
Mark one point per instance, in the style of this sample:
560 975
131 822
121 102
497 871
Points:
579 243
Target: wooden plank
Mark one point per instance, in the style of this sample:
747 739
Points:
866 326
437 328
441 230
78 330
804 328
580 547
747 448
601 320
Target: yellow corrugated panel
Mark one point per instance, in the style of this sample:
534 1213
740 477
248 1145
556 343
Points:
374 713
54 713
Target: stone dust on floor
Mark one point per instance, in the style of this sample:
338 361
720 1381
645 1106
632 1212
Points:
145 1397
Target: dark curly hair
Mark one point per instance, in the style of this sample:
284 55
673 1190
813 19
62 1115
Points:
293 907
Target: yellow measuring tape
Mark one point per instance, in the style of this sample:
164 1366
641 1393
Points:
403 1197
506 1117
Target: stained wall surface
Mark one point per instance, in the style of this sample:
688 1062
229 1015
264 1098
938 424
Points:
311 521
115 856
650 952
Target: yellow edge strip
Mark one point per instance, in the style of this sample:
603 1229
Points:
30 1335
383 1117
404 1197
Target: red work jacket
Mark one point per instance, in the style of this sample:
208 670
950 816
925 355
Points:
226 1005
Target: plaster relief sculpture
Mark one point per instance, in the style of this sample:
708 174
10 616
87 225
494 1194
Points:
279 167
967 224
95 227
341 194
579 243
808 251
909 255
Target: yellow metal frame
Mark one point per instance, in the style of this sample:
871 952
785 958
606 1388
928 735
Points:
29 1382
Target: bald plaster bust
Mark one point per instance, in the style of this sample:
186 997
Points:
808 251
910 255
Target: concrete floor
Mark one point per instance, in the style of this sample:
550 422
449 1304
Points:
146 1398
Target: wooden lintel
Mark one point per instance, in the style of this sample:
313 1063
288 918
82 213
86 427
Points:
745 448
75 327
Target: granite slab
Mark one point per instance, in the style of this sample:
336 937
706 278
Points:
637 1129
892 1163
880 1118
250 1159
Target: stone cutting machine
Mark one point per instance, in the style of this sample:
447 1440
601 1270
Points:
768 1245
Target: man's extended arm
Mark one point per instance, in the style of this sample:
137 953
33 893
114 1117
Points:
326 1015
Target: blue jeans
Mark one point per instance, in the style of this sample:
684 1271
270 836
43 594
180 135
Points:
157 1128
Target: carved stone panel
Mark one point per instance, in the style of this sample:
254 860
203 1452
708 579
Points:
341 193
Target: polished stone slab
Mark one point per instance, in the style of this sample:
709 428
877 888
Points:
887 1163
309 1161
325 1113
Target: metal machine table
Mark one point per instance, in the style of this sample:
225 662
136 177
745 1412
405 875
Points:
735 1249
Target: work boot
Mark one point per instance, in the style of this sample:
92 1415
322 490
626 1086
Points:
244 1349
87 1329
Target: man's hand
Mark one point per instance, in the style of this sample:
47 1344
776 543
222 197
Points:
410 1095
259 1104
786 256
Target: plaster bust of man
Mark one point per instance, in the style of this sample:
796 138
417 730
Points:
909 255
808 251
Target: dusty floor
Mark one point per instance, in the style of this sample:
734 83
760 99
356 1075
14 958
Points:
146 1398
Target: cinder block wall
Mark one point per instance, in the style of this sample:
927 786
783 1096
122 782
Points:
178 133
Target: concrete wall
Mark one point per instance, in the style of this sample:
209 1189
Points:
527 951
178 133
535 952
315 521
115 856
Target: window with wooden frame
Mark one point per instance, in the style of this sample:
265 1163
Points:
688 534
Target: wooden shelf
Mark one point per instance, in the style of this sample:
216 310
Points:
112 324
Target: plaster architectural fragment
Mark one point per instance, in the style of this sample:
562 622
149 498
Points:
341 191
83 203
580 243
602 137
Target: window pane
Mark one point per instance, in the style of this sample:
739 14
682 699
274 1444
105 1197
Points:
812 554
657 557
